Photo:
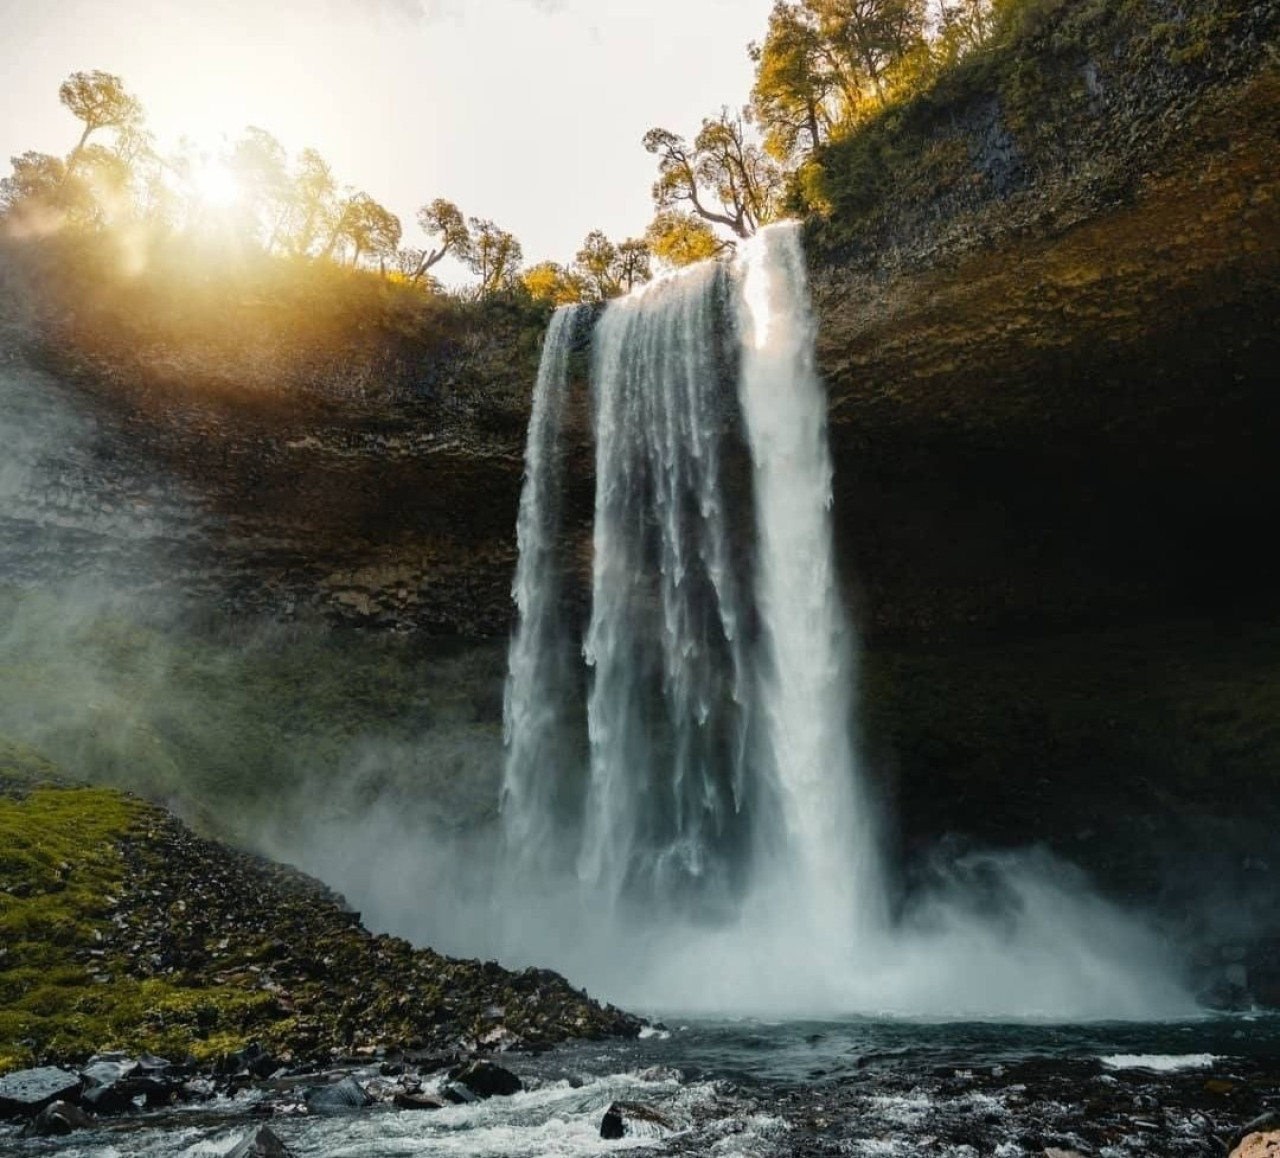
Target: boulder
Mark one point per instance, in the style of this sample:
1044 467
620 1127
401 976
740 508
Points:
57 1120
338 1098
486 1080
458 1095
407 1101
262 1143
106 1083
27 1092
1261 1145
252 1060
633 1118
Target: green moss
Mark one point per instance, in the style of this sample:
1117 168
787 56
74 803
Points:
62 868
1031 71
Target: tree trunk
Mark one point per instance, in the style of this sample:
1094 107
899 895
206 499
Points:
75 154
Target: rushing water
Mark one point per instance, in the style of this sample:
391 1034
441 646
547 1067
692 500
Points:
705 838
751 1089
541 682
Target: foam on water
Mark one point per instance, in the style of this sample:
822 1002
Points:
1160 1062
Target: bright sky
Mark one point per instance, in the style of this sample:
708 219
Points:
530 112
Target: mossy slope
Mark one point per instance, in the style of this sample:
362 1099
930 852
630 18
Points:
121 929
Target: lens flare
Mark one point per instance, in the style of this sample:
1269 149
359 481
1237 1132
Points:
216 186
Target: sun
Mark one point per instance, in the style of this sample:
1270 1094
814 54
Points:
216 186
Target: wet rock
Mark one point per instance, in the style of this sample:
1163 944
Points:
459 1095
338 1098
253 1060
486 1080
106 1083
407 1101
27 1092
57 1120
262 1143
106 1100
623 1119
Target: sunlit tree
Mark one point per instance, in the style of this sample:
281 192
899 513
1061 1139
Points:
494 256
551 282
368 227
313 202
100 101
608 269
724 177
35 180
796 94
442 221
678 239
261 168
866 39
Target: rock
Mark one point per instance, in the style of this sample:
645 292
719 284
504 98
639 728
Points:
1259 1146
459 1095
262 1143
338 1098
107 1100
252 1060
57 1120
106 1080
632 1118
1263 1126
27 1092
407 1101
486 1080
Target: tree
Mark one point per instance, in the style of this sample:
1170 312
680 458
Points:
260 165
679 239
864 39
35 181
100 100
963 25
494 256
443 222
370 228
609 270
795 98
550 282
313 197
724 177
635 263
39 194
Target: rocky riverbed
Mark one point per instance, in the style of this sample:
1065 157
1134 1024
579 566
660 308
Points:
124 929
864 1087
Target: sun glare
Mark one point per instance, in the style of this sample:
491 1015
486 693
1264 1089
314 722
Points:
216 186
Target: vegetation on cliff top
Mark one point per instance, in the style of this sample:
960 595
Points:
121 929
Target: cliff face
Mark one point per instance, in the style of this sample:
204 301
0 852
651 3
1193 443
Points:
1050 340
264 462
1048 294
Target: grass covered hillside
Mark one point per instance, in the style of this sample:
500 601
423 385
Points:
122 929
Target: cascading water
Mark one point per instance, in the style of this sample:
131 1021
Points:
541 683
720 853
828 853
667 712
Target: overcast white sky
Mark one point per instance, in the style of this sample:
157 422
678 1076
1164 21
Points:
526 111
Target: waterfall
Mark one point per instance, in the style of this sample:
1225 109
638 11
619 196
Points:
828 853
666 711
705 839
541 682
